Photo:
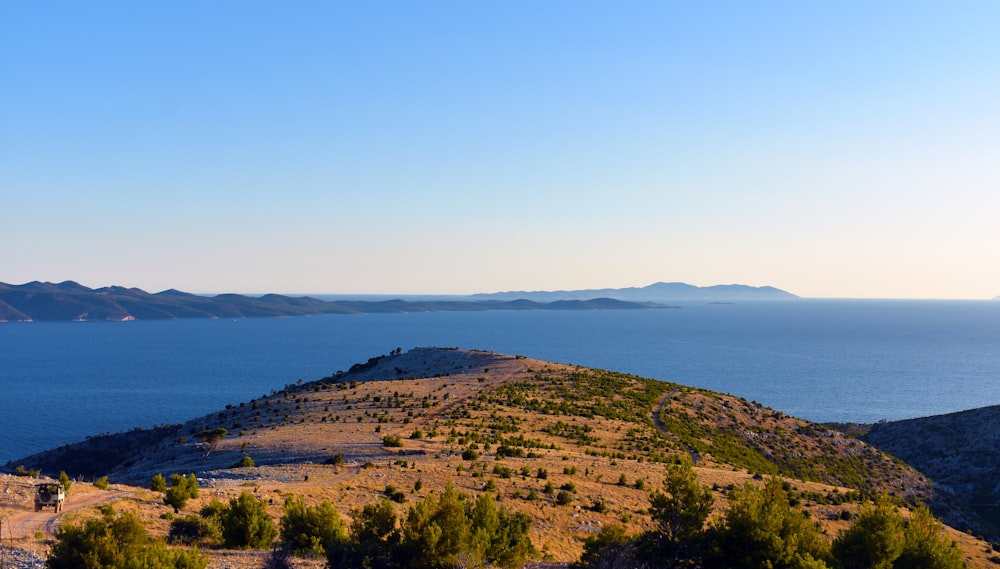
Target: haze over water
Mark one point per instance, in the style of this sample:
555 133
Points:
837 360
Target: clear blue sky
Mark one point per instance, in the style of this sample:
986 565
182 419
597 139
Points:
836 149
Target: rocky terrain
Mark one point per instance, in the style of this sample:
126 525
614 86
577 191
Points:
960 452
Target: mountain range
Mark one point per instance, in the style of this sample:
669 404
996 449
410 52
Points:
656 292
71 301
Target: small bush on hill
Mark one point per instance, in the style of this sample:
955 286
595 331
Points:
194 529
181 489
158 483
245 462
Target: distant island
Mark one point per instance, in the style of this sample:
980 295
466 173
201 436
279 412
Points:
656 292
70 301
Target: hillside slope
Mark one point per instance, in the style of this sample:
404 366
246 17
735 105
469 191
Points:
419 420
959 451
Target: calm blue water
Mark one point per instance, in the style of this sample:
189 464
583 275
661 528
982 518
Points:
834 360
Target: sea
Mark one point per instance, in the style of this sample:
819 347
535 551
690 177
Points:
822 360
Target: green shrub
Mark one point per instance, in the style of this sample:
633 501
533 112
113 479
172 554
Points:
395 494
245 462
194 529
181 489
454 529
64 480
116 541
311 531
563 498
392 441
246 524
22 471
102 483
158 483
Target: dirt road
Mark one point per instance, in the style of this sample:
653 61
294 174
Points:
27 522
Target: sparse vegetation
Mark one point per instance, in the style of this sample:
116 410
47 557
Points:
574 449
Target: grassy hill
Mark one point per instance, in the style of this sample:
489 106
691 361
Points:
414 422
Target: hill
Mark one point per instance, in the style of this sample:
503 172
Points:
959 451
656 292
70 301
417 421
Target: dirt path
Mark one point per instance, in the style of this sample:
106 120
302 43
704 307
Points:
656 421
27 523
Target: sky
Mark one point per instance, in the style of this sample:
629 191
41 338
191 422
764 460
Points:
832 149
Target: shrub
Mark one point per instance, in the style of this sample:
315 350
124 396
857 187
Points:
454 530
246 523
245 462
563 498
22 471
470 454
158 483
311 531
102 483
394 494
392 441
64 480
194 529
181 489
116 541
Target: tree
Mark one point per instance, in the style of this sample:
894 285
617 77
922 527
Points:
437 531
874 540
609 549
118 541
246 523
925 545
211 437
679 513
761 529
374 537
311 530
